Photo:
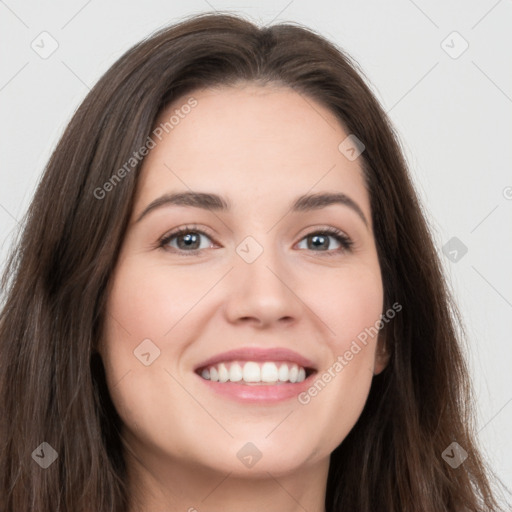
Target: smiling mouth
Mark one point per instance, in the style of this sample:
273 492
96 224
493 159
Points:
255 373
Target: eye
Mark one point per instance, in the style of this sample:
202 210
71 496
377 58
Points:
187 239
320 240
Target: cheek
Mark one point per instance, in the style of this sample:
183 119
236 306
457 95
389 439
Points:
351 306
138 313
147 301
144 304
348 303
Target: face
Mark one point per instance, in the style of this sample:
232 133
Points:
245 327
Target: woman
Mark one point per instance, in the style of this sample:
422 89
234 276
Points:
226 297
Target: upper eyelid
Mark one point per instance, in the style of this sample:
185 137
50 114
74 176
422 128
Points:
186 229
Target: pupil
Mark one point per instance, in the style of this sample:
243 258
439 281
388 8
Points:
317 238
189 239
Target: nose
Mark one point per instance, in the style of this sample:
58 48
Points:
263 292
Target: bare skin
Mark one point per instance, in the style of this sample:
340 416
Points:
260 148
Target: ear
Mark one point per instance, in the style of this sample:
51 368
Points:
382 355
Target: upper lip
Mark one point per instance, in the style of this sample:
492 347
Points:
258 354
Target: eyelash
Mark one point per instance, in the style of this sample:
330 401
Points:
345 242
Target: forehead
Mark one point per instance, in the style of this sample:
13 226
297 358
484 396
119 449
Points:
250 143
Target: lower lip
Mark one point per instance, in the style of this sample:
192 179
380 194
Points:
258 393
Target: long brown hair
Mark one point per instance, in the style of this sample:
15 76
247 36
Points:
52 382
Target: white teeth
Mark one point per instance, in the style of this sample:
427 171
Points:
251 372
223 373
267 372
293 373
235 373
283 373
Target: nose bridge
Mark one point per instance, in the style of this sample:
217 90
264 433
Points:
261 283
255 258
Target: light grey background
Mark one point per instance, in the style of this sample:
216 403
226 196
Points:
454 117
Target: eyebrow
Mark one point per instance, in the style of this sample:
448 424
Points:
209 201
